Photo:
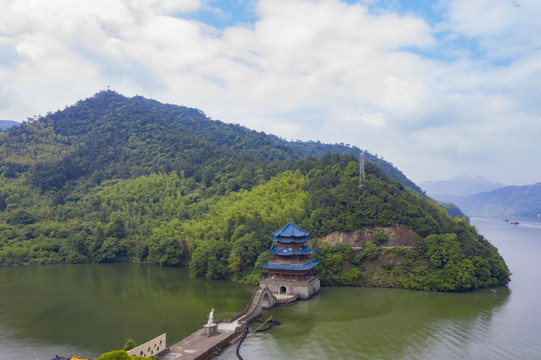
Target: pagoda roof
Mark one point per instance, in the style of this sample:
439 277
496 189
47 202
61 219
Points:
285 251
290 230
287 240
298 267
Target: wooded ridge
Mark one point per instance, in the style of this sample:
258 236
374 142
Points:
130 179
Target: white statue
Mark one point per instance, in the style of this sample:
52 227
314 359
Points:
211 318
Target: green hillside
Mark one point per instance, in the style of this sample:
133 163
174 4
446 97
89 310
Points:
130 179
452 210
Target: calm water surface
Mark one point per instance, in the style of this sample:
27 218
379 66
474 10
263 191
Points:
361 323
90 309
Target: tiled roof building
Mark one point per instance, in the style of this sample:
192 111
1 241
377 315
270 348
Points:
290 269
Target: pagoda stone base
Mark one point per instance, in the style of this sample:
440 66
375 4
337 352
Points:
303 289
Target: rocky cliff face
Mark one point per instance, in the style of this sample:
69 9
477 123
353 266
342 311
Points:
401 235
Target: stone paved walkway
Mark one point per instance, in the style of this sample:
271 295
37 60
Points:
197 344
228 326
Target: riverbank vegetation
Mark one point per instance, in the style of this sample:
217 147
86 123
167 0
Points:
115 179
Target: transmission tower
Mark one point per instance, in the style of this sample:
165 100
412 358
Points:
361 170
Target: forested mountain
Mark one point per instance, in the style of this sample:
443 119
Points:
313 148
507 202
130 179
452 210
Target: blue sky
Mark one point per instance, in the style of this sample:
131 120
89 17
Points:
439 88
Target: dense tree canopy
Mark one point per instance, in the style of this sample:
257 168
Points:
117 179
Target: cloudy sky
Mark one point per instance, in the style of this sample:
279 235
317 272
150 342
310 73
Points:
439 88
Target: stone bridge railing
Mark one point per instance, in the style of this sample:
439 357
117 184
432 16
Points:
150 348
261 298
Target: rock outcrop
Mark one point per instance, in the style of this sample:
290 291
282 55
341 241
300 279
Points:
397 235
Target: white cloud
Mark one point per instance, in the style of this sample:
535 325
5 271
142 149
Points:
322 70
163 6
482 17
377 119
503 28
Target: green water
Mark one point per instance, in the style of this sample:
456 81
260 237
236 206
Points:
350 323
90 309
363 323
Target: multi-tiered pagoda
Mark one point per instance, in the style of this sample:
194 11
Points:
290 268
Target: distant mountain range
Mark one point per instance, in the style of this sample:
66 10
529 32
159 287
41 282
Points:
6 124
509 202
459 186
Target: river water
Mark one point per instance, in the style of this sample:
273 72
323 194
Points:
90 309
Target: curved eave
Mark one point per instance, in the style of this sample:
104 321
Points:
297 267
290 252
288 240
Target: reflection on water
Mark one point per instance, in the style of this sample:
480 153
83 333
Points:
398 324
367 323
90 309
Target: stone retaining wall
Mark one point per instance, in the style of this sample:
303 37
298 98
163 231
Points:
303 289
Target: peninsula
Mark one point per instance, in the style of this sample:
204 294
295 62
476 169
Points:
117 179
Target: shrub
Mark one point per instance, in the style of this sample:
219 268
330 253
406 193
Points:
379 237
